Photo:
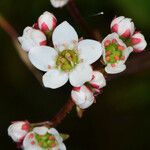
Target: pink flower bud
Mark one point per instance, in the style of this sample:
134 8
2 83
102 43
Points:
47 22
59 3
138 41
31 38
18 130
123 26
82 97
98 81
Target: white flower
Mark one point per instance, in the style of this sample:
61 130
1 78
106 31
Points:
123 26
43 138
18 130
69 60
98 81
47 22
82 96
31 38
59 3
115 53
138 42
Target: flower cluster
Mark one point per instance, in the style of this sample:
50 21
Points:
69 59
38 138
118 45
58 51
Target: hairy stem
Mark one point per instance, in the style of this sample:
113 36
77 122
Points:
5 25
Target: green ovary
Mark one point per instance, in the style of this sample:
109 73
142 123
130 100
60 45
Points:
67 60
46 141
113 53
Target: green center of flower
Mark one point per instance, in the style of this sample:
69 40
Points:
67 60
46 141
114 52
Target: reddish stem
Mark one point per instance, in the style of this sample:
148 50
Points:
76 15
59 117
6 26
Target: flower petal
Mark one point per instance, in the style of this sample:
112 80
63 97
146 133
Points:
120 67
89 50
58 3
54 79
81 74
40 130
64 37
30 143
43 57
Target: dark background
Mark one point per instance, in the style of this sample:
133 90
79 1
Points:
120 120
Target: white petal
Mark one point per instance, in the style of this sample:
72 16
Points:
117 20
27 140
117 69
81 74
87 103
42 57
58 3
140 46
60 147
35 147
53 131
54 79
98 79
40 130
89 50
64 36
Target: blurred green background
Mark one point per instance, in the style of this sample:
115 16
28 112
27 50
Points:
120 120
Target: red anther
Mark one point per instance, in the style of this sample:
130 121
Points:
114 41
116 57
121 47
107 58
33 142
108 53
123 58
107 42
31 136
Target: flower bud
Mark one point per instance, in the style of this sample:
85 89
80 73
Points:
59 3
98 81
31 38
18 130
82 96
47 22
138 42
123 26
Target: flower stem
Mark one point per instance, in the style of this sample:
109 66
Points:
59 117
6 26
76 15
